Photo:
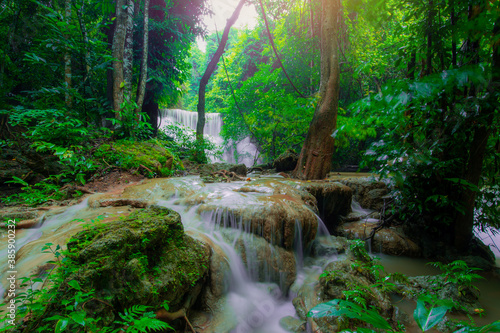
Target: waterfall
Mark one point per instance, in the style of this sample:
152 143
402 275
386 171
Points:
246 151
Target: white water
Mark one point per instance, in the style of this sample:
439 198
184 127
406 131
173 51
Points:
246 151
253 304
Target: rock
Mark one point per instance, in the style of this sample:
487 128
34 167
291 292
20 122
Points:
368 192
286 161
278 215
464 296
292 324
144 258
210 173
333 201
329 246
264 262
239 169
387 240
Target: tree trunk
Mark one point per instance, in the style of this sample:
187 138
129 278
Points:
465 222
316 156
117 50
209 71
129 51
141 87
67 57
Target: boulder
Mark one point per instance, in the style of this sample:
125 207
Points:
333 200
144 258
286 161
211 173
367 191
387 240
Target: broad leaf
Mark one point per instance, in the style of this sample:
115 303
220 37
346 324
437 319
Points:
427 319
74 284
349 309
61 325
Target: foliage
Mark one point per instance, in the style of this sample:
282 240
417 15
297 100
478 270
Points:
182 140
34 194
458 273
426 317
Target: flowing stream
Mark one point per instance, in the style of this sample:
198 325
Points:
244 151
257 288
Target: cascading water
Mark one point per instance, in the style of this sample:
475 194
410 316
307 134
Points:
246 151
257 287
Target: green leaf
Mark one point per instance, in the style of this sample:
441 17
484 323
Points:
349 309
79 317
427 319
122 84
74 284
61 325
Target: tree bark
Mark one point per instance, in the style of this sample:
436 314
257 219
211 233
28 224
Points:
316 156
210 69
117 50
85 38
67 56
465 222
141 87
129 51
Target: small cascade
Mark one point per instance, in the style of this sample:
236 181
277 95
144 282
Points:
246 151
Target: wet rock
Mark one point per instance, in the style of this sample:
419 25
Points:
144 258
387 240
292 324
286 161
333 201
210 173
368 192
148 192
264 262
329 246
279 215
466 297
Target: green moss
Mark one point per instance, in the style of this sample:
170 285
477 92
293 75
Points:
144 258
149 157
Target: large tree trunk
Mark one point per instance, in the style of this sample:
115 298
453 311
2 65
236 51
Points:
67 57
316 156
465 222
129 50
209 71
141 87
117 50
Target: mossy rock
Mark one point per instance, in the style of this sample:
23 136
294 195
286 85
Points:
148 156
145 259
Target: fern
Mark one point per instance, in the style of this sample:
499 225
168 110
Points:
138 320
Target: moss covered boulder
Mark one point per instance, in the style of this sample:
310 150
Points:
150 157
145 258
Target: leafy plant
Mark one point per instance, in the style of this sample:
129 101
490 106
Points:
137 319
458 273
426 317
